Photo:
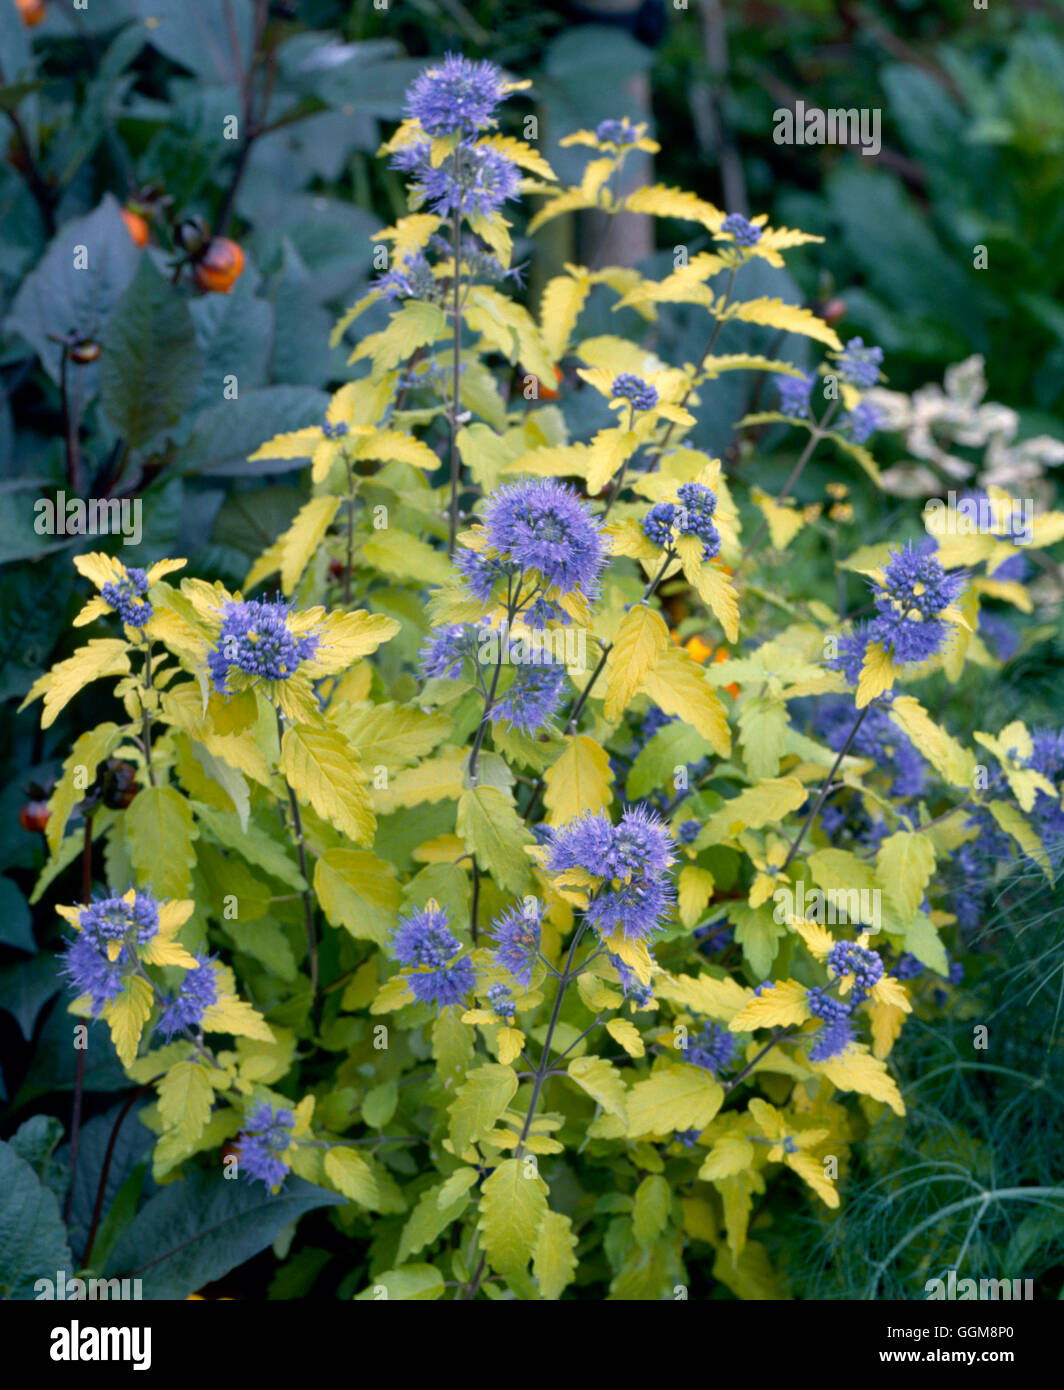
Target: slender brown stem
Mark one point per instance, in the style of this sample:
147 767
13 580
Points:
101 1187
824 790
540 1077
79 1068
456 369
146 717
816 434
585 694
350 534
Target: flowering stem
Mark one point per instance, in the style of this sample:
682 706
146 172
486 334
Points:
585 694
710 345
777 1037
824 790
456 367
540 1075
308 908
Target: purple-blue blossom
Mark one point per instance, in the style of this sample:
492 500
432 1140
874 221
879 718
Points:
629 387
126 597
455 95
266 1136
256 639
543 525
185 1009
795 393
745 232
425 944
516 934
859 365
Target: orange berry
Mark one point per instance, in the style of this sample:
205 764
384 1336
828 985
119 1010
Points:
698 649
545 392
136 226
34 816
32 11
219 268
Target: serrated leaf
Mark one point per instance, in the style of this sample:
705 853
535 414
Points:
769 803
126 1017
773 313
782 1003
418 1283
480 1100
89 750
728 1156
430 1218
602 1082
640 641
103 656
185 1100
322 768
673 1098
359 891
492 830
513 1204
650 1213
579 781
904 865
678 685
1013 823
554 1254
858 1070
158 833
627 1034
350 1174
877 674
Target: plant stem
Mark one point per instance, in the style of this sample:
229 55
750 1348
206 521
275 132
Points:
350 533
145 716
105 1170
456 368
585 694
816 434
824 790
540 1076
79 1069
710 345
305 894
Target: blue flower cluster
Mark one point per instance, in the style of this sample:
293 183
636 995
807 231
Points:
628 864
859 365
537 682
107 920
517 934
878 738
713 1049
456 97
614 132
629 387
691 516
185 1009
425 944
862 422
795 393
837 1033
633 987
266 1136
866 967
337 431
126 597
543 525
908 625
501 1000
744 231
256 639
